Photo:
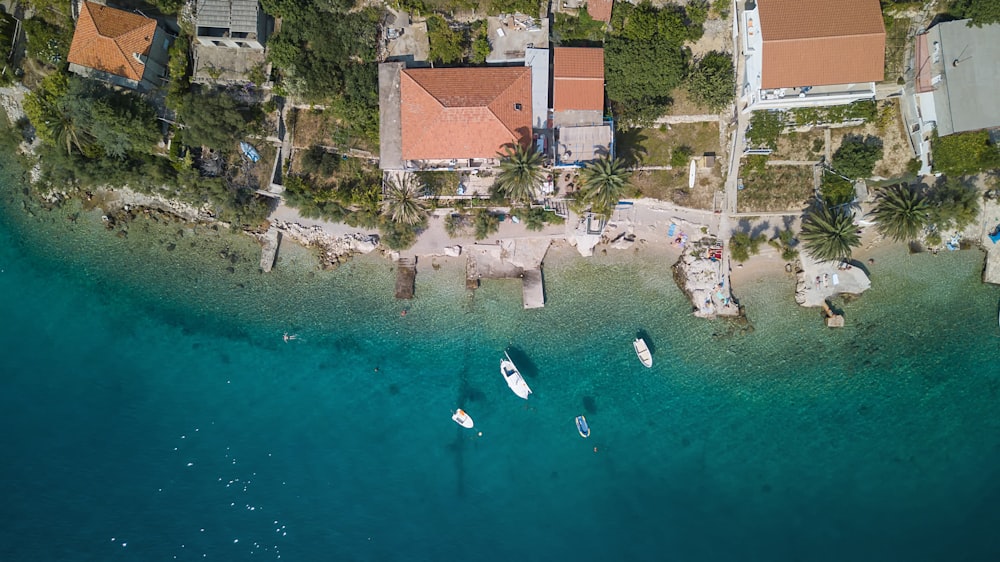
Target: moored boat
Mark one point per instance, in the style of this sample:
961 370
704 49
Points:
582 427
462 419
513 377
642 350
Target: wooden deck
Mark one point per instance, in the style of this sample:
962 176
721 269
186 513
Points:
406 275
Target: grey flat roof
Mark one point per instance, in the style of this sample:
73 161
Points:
538 60
239 16
390 124
966 98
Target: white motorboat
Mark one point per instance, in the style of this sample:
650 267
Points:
642 350
582 427
462 419
513 377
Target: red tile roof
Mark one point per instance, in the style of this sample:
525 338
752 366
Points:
106 39
457 113
578 79
821 42
600 10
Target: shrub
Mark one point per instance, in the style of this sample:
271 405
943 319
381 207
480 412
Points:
318 161
857 156
680 156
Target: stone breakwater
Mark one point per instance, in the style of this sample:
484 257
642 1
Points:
335 249
702 281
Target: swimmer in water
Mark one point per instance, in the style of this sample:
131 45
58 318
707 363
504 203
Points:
289 337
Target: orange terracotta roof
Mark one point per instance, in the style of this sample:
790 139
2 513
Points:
821 42
453 113
106 39
577 79
600 10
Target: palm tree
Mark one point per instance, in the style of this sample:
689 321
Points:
520 174
828 233
901 212
402 199
603 184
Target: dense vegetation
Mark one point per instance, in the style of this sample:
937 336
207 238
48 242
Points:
645 58
326 52
964 154
712 83
765 128
578 30
980 12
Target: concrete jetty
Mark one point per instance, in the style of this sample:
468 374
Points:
510 259
269 250
406 275
532 290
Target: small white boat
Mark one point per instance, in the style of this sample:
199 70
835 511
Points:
642 350
582 427
462 419
513 377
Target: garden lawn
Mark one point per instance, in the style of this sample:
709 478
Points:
654 146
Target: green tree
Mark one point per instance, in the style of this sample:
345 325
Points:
520 173
765 128
645 59
712 83
485 223
211 119
979 12
828 233
857 156
447 45
900 212
742 246
953 204
402 203
963 154
603 183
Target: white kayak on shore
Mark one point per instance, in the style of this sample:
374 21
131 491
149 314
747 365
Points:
463 419
513 377
642 350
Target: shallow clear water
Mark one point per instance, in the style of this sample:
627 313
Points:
151 409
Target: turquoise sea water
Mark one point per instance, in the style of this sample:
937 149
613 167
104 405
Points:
151 409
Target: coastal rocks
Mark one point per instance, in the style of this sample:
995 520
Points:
334 248
124 198
702 280
12 102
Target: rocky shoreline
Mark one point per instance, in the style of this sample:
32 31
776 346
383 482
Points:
334 250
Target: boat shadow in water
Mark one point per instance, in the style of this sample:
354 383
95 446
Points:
590 405
644 335
527 367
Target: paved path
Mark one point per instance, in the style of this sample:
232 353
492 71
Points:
674 119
